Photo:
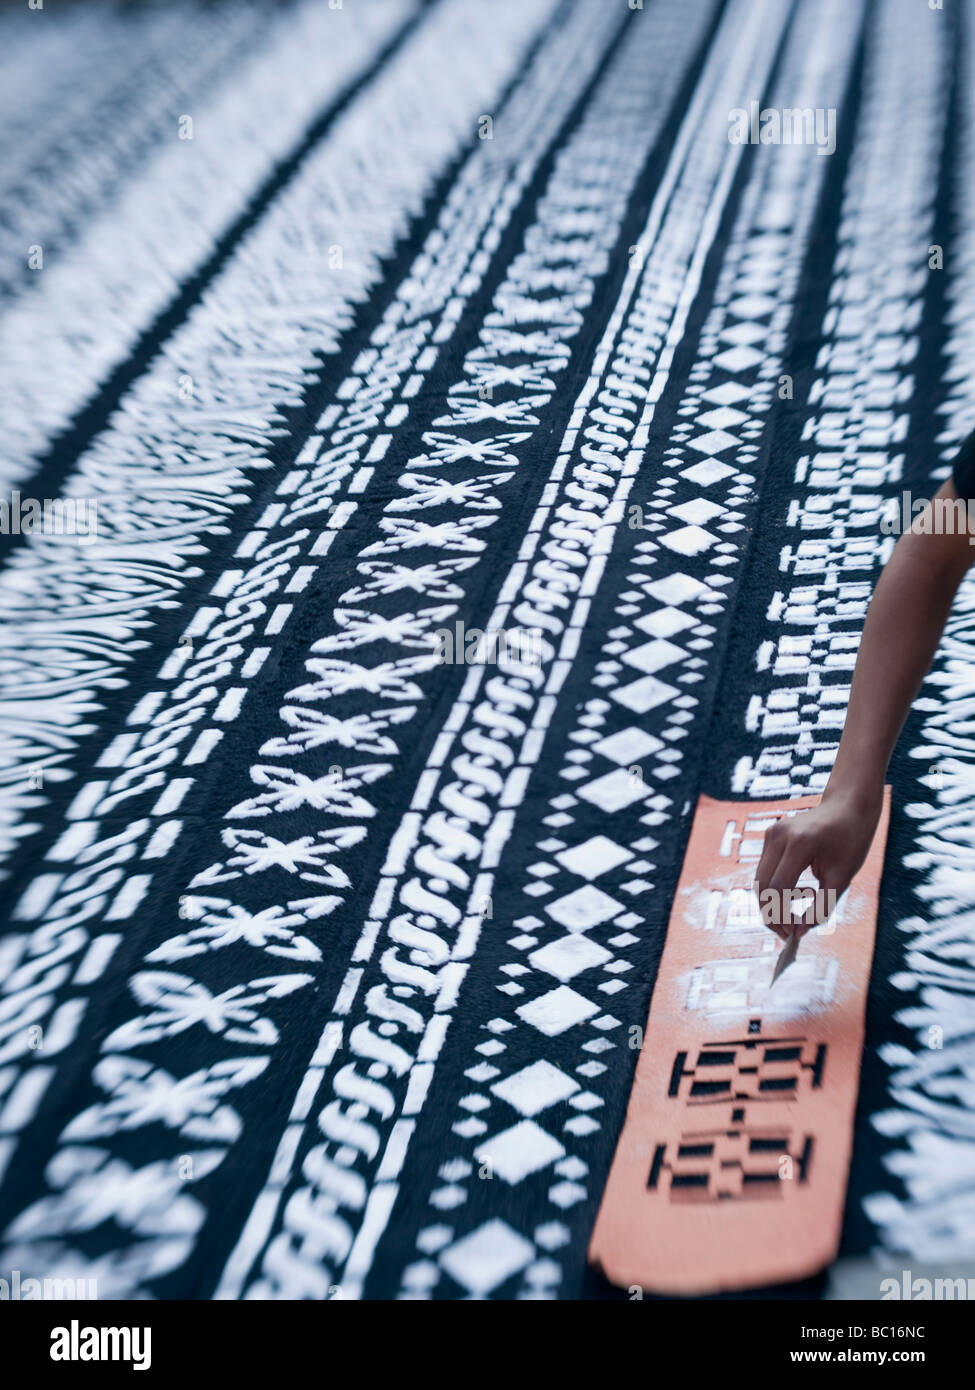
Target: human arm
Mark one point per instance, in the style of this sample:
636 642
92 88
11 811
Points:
903 626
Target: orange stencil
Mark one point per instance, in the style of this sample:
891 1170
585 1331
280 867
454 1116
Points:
731 1169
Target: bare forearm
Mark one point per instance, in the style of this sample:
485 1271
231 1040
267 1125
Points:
903 628
904 625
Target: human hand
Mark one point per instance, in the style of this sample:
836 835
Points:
832 839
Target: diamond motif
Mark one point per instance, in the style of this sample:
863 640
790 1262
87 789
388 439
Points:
557 1011
535 1088
752 306
726 393
698 510
665 622
617 788
552 1235
742 333
487 1257
706 472
433 1238
595 856
518 1151
689 540
447 1198
569 956
654 656
640 696
581 1125
629 746
738 359
713 442
720 417
566 1194
583 908
677 589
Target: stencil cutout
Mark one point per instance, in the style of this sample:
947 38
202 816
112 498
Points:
732 1165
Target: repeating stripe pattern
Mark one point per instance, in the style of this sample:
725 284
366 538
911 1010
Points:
321 954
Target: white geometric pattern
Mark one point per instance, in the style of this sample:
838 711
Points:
487 1257
569 956
598 854
583 908
518 1151
535 1088
555 1012
282 848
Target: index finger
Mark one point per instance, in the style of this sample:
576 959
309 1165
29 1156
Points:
794 860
